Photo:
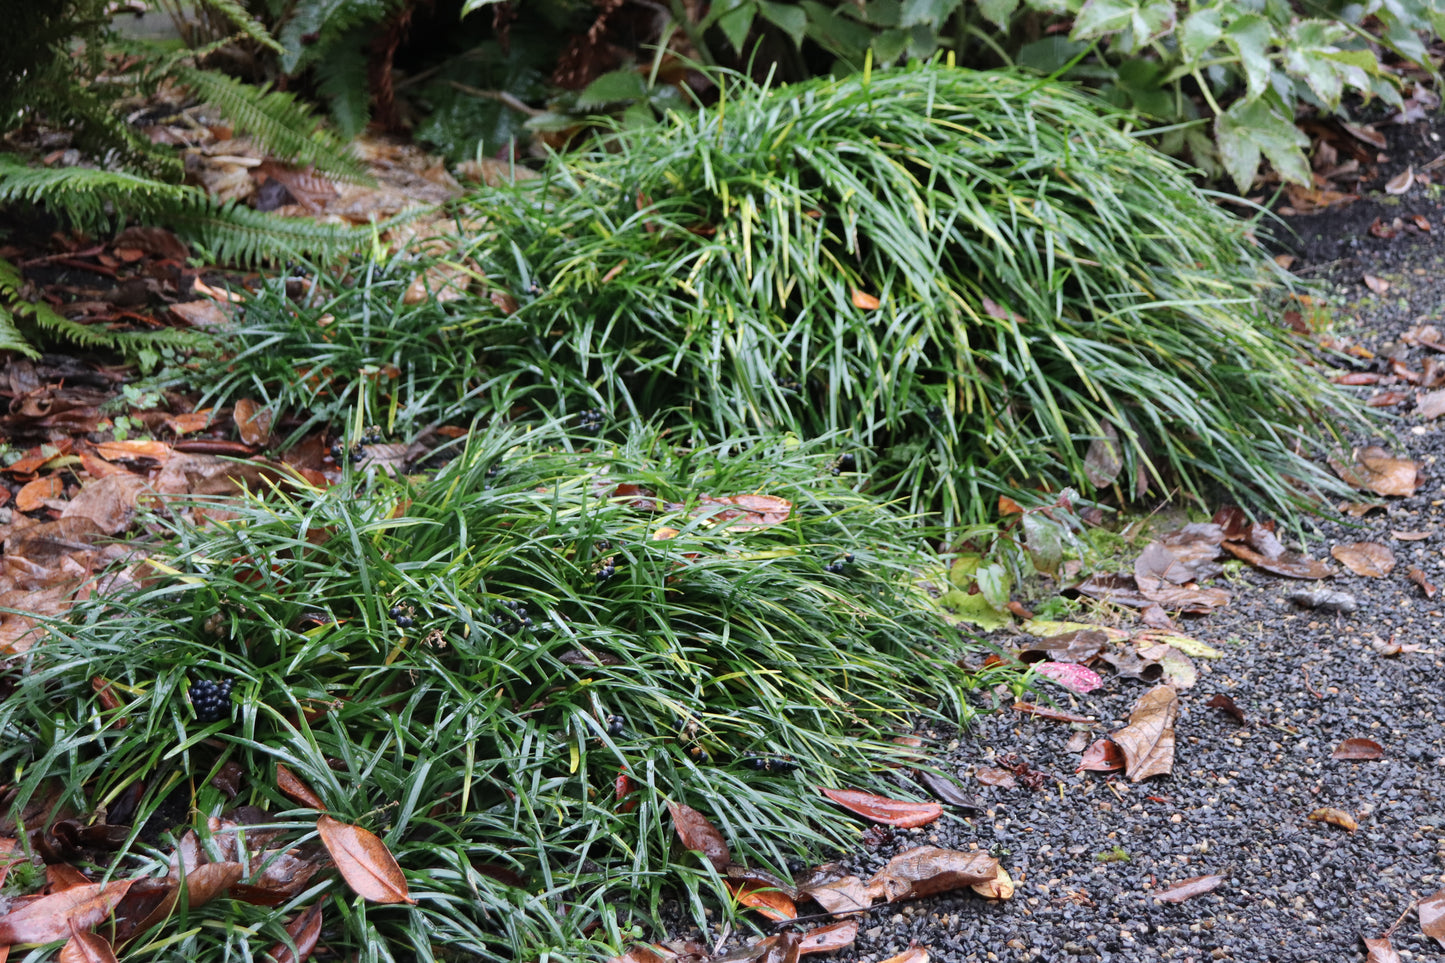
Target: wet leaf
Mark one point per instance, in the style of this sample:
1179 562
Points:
1376 284
1370 559
947 790
1401 182
364 861
1102 756
914 954
205 883
1001 887
1288 564
1430 405
1325 600
1335 817
931 869
253 421
768 901
880 809
990 776
1431 910
1186 888
83 947
1361 749
699 835
1046 629
1417 575
840 896
1102 462
305 931
1226 704
1185 644
830 938
746 511
1148 740
50 918
1079 646
109 502
1075 678
1129 663
1374 469
1380 951
35 494
1404 536
863 300
295 788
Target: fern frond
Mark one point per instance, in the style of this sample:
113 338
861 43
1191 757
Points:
92 200
322 23
10 337
342 80
282 124
246 23
235 233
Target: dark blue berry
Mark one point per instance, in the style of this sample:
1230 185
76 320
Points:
404 621
847 462
394 612
211 700
616 725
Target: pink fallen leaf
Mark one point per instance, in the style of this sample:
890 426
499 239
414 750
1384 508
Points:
881 809
1186 888
1070 675
1431 910
1380 951
830 938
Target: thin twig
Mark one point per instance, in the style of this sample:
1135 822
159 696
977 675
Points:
501 96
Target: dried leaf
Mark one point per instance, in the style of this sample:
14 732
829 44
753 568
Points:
109 502
1431 910
863 300
746 511
1335 817
1185 644
1074 677
204 883
305 931
1377 284
1148 740
1404 536
1226 704
1079 646
830 938
1102 462
990 776
1401 182
1186 888
947 790
1102 756
1325 600
1430 405
1380 951
83 947
767 900
1370 559
253 421
914 954
1374 469
840 896
1001 887
1417 575
364 861
927 870
1361 749
33 495
699 835
1288 564
50 918
295 788
880 809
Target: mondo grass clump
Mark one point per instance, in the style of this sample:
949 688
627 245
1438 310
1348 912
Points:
505 672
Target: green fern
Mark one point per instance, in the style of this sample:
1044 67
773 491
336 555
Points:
311 35
342 80
246 23
283 125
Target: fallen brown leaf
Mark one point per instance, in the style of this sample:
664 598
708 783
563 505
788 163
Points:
1148 740
746 511
1370 559
364 861
1053 715
880 809
110 502
295 788
1374 469
1430 405
863 300
1363 749
83 947
990 776
1001 887
304 931
50 918
766 900
1186 888
1102 756
1227 704
840 896
930 869
1431 910
253 421
699 835
1380 951
830 938
33 495
1401 182
1376 284
1335 817
1417 575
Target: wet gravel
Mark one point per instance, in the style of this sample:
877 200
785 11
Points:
1087 850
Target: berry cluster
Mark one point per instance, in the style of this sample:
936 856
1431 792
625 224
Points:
787 382
616 725
402 616
357 452
591 421
839 566
514 620
606 570
211 700
770 764
846 463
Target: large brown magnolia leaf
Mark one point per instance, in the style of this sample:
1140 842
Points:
1380 951
109 502
1370 559
840 896
1431 910
880 809
1364 749
1148 740
364 861
930 869
1374 469
50 918
830 938
304 931
83 947
700 835
253 421
1186 888
769 902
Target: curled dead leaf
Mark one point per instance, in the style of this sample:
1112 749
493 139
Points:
840 896
1374 469
1370 559
1380 951
1417 575
1186 888
830 938
1431 911
1102 756
1359 749
930 869
1335 817
914 954
1376 284
1401 182
296 789
1148 740
699 835
1001 887
880 809
305 931
364 861
768 901
50 918
863 300
253 421
83 947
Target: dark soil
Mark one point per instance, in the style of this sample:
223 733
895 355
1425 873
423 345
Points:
1087 850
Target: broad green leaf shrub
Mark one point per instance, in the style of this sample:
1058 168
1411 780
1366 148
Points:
1043 282
485 752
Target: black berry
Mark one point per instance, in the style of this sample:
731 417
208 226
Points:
211 700
591 421
616 725
770 764
606 571
848 463
404 621
394 612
